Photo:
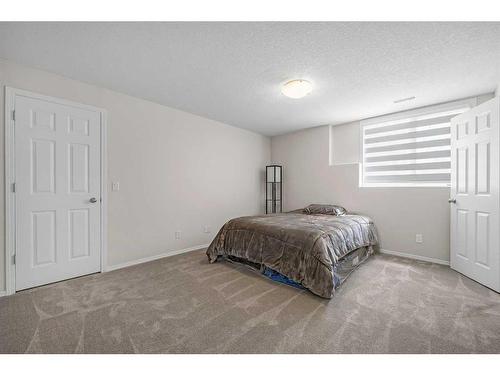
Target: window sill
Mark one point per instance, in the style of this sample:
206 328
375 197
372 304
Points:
402 185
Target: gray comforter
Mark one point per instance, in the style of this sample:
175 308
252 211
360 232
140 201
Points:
304 248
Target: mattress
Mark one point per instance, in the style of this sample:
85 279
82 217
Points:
316 251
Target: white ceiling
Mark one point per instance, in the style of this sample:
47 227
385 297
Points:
232 72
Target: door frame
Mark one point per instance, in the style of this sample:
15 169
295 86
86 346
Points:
10 209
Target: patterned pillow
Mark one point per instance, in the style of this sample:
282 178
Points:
325 209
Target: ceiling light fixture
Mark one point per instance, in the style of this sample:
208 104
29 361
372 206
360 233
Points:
296 89
404 100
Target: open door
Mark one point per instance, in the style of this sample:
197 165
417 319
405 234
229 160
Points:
474 201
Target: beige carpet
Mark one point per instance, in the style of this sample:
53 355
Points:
182 304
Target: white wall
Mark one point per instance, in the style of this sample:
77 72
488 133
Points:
314 172
177 171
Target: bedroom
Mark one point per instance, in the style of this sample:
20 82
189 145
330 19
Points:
250 187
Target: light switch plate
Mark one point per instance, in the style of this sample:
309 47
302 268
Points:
419 238
115 186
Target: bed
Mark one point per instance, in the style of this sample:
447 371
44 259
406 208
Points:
316 248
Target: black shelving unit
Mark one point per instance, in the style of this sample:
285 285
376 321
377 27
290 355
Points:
274 189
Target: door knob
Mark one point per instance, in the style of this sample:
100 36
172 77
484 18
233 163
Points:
92 200
452 200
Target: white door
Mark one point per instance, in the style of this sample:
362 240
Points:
475 227
57 197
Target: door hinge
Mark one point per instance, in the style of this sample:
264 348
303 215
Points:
14 187
13 115
14 259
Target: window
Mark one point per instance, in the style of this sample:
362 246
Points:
410 148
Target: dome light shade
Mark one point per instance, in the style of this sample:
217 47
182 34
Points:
298 88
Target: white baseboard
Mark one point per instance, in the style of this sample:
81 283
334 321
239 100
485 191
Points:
416 257
3 293
154 257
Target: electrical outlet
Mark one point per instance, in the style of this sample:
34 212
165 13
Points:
419 238
115 186
207 229
178 235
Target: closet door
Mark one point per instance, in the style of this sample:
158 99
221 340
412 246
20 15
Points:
57 157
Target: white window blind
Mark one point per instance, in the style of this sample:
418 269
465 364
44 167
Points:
408 151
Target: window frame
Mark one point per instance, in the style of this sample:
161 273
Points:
397 116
